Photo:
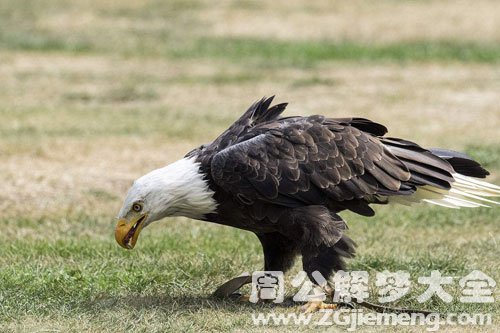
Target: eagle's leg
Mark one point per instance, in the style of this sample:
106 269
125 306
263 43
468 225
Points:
325 260
279 251
279 255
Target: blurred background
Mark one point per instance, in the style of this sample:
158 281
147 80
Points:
94 94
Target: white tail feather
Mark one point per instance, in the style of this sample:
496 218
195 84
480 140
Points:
479 183
440 203
465 192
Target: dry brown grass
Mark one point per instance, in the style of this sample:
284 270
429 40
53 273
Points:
359 20
441 102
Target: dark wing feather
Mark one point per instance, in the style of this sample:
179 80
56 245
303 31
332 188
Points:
309 161
365 125
258 113
461 163
426 168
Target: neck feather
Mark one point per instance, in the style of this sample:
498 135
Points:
181 190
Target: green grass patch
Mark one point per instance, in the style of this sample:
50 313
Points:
44 41
122 94
153 9
306 53
178 263
488 156
253 51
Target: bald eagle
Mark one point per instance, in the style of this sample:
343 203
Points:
286 179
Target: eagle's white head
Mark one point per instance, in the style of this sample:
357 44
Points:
179 189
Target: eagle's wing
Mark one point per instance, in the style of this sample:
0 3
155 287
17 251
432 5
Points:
309 161
259 112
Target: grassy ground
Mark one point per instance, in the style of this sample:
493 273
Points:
94 94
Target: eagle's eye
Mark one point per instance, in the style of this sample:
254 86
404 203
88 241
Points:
137 207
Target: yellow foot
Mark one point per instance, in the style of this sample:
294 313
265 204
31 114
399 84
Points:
313 306
237 297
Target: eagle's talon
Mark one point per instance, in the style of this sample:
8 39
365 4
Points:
244 298
313 306
235 296
239 297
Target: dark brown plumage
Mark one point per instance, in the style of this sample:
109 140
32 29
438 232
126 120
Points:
286 179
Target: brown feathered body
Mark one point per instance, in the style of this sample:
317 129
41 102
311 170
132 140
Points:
287 178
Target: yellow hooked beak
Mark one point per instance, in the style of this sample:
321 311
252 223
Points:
127 232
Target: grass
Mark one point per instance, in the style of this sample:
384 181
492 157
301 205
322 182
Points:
153 32
308 53
488 155
266 52
96 94
95 122
176 266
